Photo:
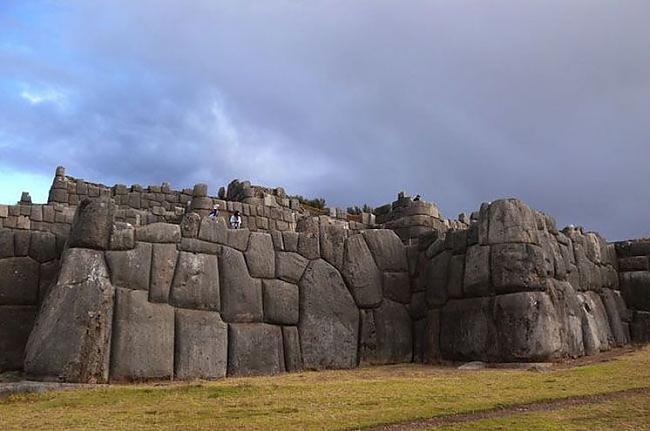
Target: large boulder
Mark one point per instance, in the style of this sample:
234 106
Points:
477 271
455 276
241 295
596 333
255 349
467 330
388 249
361 273
143 338
640 327
397 287
570 314
332 241
201 347
527 327
42 246
281 302
292 353
92 224
71 338
196 282
436 279
618 328
260 256
131 269
213 230
159 232
6 243
329 319
635 287
511 221
163 265
290 266
16 323
386 334
19 281
517 268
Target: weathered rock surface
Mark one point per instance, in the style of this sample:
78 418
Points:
16 323
163 264
92 224
332 241
196 282
467 330
436 279
292 353
201 348
361 273
388 250
290 266
386 334
517 267
215 230
241 295
527 327
19 281
131 269
159 232
511 221
397 287
71 338
281 302
260 256
477 271
329 319
122 236
635 287
143 338
255 349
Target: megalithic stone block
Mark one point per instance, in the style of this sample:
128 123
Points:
91 227
143 338
201 346
71 338
329 319
362 273
255 348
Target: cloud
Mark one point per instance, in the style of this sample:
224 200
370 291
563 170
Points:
460 101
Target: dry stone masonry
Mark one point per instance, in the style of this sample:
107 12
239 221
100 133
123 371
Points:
108 284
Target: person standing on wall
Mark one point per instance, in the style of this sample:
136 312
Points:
214 212
235 220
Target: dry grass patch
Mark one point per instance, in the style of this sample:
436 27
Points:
315 400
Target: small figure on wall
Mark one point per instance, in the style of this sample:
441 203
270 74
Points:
235 220
214 212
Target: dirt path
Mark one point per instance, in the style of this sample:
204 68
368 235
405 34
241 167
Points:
508 411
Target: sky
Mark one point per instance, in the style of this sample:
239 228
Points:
460 101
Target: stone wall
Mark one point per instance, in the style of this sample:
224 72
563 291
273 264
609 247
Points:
140 205
200 300
512 287
633 264
128 284
28 267
411 219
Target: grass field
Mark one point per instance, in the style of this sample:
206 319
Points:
334 400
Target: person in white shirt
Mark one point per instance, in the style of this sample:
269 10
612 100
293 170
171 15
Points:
235 220
215 211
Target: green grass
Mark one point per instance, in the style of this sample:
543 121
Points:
629 413
314 400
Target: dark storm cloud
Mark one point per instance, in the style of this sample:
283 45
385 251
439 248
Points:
462 101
